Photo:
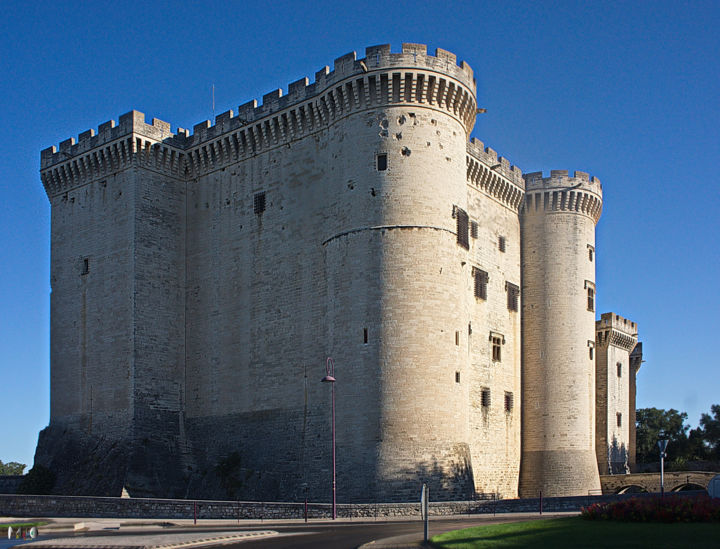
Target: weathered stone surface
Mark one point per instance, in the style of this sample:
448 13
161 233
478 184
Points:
201 281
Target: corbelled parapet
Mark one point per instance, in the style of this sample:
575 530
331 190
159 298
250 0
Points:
112 148
380 78
494 174
377 59
612 329
564 192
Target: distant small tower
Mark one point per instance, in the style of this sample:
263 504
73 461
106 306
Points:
615 369
558 326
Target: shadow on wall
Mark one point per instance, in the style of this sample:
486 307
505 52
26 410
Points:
453 482
618 458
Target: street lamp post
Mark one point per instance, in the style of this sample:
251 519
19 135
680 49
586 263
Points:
662 445
330 378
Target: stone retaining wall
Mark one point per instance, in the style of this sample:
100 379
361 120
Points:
77 506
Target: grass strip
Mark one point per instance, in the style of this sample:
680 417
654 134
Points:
582 534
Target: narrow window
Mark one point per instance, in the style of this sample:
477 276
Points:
85 266
457 377
591 353
501 243
381 162
457 338
591 349
496 348
365 335
259 203
619 369
509 402
619 419
461 218
480 278
485 398
513 293
591 252
590 299
474 229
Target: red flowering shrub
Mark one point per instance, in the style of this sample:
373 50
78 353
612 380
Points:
656 509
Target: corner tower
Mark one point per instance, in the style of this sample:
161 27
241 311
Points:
558 328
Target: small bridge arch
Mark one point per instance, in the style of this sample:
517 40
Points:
675 481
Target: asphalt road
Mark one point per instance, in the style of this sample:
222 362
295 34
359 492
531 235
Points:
350 536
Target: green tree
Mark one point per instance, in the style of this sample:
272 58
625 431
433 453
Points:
654 424
12 468
710 425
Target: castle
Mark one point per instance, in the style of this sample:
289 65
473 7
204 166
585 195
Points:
200 280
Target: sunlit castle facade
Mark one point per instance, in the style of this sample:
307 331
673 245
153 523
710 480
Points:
200 281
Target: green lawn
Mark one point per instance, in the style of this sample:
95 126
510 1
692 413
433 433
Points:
579 533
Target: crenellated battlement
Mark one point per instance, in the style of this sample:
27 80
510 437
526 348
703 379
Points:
113 148
616 322
579 193
612 329
381 78
107 132
406 88
534 181
494 174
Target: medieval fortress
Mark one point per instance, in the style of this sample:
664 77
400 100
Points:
200 280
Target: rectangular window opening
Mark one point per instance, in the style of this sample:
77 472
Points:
619 369
513 294
86 266
501 243
365 335
457 377
480 282
259 203
509 402
591 252
619 419
591 352
485 398
590 299
457 338
473 229
381 162
496 348
461 218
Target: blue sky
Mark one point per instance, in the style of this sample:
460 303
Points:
628 91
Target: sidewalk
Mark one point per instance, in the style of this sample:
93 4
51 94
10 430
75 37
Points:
137 533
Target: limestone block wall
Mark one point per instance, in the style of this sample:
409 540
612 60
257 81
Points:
91 272
324 270
494 399
558 230
616 337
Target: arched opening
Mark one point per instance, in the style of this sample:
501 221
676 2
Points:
687 486
631 489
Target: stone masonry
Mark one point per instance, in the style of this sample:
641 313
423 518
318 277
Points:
200 280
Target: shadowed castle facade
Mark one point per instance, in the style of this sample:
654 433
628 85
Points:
200 280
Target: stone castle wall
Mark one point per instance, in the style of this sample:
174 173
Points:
350 218
616 338
558 227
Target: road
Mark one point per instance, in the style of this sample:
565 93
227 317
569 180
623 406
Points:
350 536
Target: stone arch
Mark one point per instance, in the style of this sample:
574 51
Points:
687 486
631 489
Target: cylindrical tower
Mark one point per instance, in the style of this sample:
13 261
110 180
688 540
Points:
395 272
558 331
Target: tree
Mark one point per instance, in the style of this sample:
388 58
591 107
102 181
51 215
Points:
654 424
12 468
711 431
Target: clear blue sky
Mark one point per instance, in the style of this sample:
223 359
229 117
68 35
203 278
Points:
628 91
